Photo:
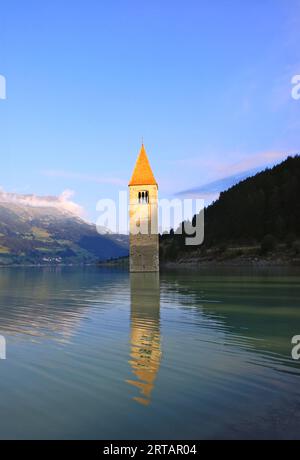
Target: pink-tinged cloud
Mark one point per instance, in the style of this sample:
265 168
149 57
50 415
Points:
217 166
258 160
227 175
62 202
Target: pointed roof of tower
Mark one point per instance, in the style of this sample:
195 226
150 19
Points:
142 173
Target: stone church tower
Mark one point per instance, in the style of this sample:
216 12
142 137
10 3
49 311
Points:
143 217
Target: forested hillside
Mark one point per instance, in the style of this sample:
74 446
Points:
260 214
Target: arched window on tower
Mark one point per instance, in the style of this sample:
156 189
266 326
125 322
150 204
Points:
143 197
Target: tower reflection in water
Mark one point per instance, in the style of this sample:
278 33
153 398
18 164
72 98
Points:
145 352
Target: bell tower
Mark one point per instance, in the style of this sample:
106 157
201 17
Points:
143 217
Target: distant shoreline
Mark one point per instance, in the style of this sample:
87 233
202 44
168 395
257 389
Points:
272 260
256 262
194 263
232 263
47 266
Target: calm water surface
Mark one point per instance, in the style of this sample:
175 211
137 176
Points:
99 354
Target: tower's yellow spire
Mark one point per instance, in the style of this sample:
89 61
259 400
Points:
142 173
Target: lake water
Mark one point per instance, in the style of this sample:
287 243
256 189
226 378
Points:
99 354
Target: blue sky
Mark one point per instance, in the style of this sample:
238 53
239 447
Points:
206 83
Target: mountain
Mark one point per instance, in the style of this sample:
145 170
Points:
260 213
48 235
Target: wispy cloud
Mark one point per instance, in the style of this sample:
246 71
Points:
211 190
255 161
84 177
223 165
225 175
62 202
